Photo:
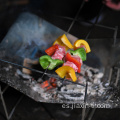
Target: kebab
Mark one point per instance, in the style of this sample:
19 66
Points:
74 59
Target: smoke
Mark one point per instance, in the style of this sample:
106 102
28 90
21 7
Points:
29 35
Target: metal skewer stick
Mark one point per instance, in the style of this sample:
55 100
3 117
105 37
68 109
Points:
34 70
44 73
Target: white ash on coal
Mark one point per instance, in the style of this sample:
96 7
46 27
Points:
70 91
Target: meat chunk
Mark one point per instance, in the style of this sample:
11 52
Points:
59 53
71 64
77 58
61 48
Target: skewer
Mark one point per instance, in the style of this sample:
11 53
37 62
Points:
44 73
34 70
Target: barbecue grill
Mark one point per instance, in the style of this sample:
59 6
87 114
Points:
30 30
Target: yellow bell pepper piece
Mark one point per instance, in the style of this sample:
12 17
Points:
80 42
63 41
66 71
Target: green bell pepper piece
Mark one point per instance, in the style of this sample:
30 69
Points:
79 52
46 61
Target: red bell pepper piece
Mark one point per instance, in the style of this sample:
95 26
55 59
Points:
51 50
68 57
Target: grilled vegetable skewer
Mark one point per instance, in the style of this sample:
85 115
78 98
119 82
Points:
73 60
